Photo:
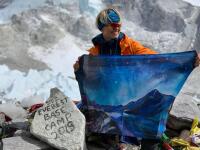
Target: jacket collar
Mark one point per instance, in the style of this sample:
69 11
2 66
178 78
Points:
99 39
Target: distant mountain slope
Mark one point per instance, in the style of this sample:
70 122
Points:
150 111
152 103
5 3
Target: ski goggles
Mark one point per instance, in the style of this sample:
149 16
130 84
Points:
115 25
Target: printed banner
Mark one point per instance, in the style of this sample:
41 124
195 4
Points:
131 95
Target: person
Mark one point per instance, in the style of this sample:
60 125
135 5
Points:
111 41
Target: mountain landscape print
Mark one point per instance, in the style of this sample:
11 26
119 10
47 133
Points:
131 95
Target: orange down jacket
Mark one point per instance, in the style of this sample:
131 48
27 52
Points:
128 47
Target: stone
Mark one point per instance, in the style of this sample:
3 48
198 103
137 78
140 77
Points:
1 145
8 129
185 135
2 118
5 3
125 147
60 123
131 147
172 133
21 125
186 105
178 123
22 133
21 143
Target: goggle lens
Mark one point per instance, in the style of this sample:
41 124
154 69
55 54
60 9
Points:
115 25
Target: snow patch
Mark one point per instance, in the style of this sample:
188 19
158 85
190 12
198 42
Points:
17 85
61 57
193 2
13 111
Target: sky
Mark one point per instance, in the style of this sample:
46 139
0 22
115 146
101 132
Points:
120 84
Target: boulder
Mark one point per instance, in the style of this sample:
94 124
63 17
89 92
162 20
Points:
22 133
2 118
21 143
60 123
186 105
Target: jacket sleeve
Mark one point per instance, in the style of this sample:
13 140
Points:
94 51
138 48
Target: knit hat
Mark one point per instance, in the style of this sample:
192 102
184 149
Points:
106 17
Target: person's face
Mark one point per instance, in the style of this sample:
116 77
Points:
111 31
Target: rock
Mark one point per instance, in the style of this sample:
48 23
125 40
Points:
22 125
1 132
185 135
186 105
5 3
21 143
126 147
82 28
1 145
8 129
172 133
131 147
22 133
2 118
60 123
178 123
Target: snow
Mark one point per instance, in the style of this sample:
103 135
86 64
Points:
18 6
193 2
14 111
35 85
60 58
64 53
18 85
97 5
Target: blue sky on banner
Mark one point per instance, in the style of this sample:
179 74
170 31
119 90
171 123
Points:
121 84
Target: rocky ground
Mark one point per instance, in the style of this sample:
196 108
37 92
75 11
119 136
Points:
33 128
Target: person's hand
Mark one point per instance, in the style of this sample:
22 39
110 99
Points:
197 61
76 65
